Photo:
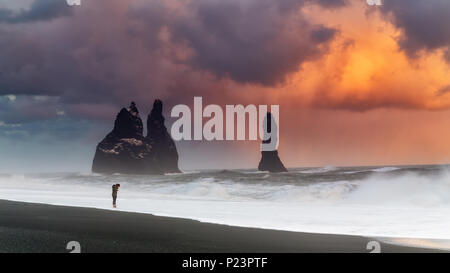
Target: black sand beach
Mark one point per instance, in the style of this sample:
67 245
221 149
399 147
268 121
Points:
26 227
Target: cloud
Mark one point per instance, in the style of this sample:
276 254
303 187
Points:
23 109
174 50
425 24
150 47
331 3
264 42
365 69
444 90
40 10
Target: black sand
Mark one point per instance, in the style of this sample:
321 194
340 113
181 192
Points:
26 227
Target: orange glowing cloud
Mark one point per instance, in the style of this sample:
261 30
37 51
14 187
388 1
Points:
365 68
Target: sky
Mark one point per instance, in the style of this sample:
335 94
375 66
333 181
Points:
356 84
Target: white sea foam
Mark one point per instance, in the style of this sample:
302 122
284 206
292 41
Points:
319 170
386 169
403 206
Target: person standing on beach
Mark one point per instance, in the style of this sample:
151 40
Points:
115 189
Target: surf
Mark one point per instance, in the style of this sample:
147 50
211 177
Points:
380 202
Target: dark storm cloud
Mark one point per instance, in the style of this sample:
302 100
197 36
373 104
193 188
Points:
38 63
255 42
322 35
425 24
89 62
331 3
40 10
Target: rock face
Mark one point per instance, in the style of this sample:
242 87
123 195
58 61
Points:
161 141
126 150
270 161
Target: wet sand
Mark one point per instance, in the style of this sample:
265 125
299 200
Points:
28 227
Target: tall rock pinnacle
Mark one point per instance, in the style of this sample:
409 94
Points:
161 141
126 150
270 161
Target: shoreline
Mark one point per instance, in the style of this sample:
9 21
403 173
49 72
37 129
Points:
32 227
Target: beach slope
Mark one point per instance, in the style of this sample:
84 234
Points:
28 227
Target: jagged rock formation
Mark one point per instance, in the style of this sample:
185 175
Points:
126 150
270 161
161 141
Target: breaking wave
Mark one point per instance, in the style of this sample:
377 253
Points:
400 202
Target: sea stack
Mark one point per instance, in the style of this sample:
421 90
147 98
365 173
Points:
270 161
159 138
125 149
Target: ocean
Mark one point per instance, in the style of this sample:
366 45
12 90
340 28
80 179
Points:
400 204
